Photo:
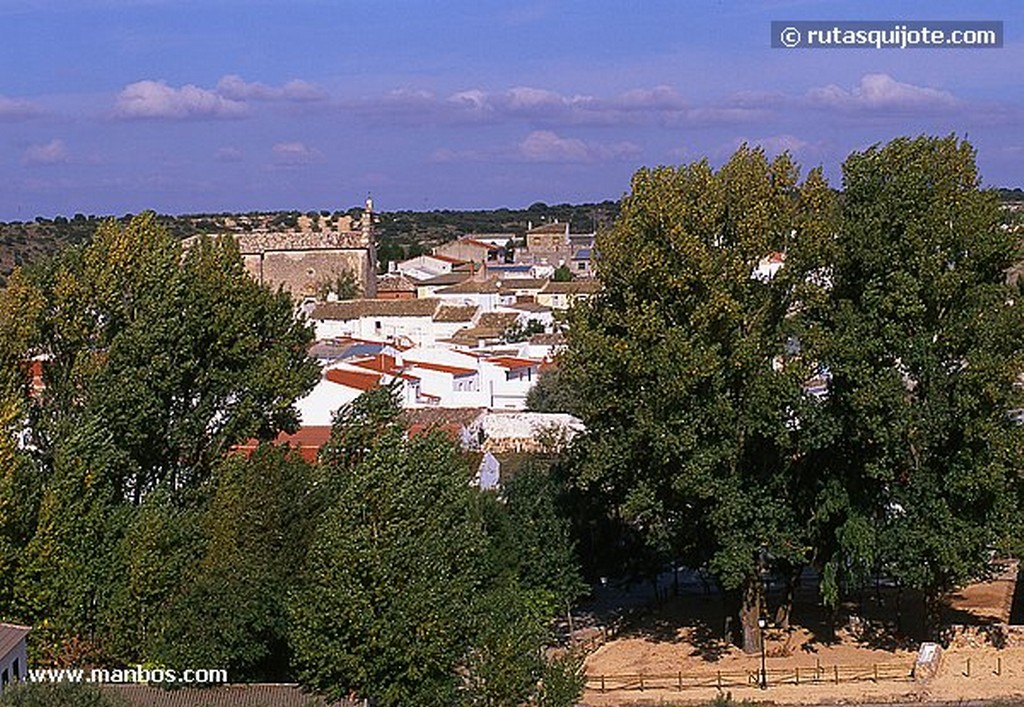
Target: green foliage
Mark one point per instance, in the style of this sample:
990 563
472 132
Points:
926 346
180 356
391 572
230 611
541 549
685 371
562 274
518 332
57 695
156 363
343 285
552 393
414 586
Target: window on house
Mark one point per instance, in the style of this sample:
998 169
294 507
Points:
582 265
5 678
17 669
376 325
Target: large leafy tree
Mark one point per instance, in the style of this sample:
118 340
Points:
155 361
926 346
413 592
394 566
228 607
177 355
689 373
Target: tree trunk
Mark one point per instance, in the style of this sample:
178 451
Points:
792 579
750 611
932 613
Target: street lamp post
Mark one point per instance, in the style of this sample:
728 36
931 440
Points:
762 623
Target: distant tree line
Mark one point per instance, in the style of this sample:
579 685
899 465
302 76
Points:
400 234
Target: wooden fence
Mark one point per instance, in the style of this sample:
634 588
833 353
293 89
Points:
815 674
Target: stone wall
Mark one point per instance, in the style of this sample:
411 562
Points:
300 271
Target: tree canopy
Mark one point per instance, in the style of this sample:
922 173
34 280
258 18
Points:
775 376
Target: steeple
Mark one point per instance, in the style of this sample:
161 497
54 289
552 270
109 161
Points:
366 223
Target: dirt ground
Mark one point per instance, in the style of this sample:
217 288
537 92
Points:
681 637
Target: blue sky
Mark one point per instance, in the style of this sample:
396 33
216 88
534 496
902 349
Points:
184 106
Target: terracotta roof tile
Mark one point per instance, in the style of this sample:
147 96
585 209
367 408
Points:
472 287
353 379
394 282
356 308
452 313
454 370
573 287
513 362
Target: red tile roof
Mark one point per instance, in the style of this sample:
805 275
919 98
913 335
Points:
307 440
513 362
251 695
454 370
353 379
382 363
10 636
447 258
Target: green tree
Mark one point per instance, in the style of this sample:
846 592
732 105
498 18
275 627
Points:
181 355
57 695
230 610
155 363
551 393
393 568
562 274
344 285
688 373
927 349
413 592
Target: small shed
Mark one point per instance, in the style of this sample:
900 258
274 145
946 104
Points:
13 654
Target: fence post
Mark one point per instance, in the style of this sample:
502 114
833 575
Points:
817 669
876 672
999 665
641 682
967 673
836 669
719 680
680 677
602 683
798 675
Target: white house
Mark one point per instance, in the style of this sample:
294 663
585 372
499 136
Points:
409 320
487 294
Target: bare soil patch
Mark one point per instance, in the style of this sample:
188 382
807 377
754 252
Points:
683 636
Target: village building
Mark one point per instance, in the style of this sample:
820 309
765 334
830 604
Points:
307 262
562 295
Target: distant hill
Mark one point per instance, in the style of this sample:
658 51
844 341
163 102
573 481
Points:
400 234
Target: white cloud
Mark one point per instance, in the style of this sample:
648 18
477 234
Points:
881 91
659 98
295 153
17 109
546 146
236 88
53 152
157 100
